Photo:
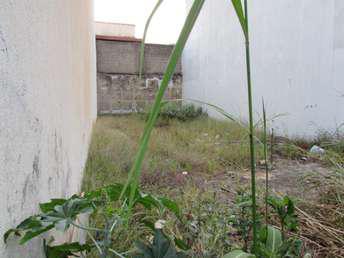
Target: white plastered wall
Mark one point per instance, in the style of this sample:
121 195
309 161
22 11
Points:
47 106
297 51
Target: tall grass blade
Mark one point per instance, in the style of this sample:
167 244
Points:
266 163
143 42
251 127
272 147
135 172
240 13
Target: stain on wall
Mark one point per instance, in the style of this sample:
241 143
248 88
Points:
120 93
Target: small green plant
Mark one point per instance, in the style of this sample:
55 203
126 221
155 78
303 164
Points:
291 151
272 242
207 227
161 247
271 245
178 111
285 209
268 246
62 214
184 112
241 219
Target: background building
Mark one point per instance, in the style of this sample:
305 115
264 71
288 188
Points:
47 106
120 90
297 62
115 29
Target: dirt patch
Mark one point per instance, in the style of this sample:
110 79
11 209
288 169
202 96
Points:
298 179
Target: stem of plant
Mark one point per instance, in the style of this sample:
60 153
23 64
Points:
143 42
271 147
95 242
86 228
266 164
116 253
252 145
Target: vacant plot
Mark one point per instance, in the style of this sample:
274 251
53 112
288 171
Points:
203 165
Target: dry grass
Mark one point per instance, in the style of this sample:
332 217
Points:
216 156
203 146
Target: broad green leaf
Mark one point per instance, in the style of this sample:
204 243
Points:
161 244
285 210
238 254
49 206
30 228
34 233
263 234
8 233
162 247
144 250
171 205
181 244
97 194
274 239
240 13
66 250
29 223
113 191
148 201
171 252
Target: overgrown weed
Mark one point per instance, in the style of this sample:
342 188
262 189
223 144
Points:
179 155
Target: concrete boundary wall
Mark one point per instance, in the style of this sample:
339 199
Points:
118 85
122 57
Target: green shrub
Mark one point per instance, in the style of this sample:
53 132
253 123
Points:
178 111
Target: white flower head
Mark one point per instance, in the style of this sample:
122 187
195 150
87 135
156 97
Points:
160 224
185 173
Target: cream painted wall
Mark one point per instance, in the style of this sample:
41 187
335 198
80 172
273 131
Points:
297 62
47 106
115 29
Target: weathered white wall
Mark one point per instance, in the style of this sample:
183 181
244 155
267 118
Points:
297 61
47 106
